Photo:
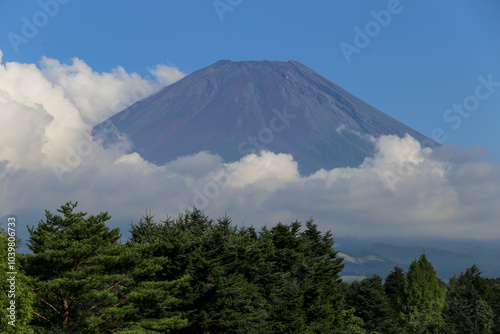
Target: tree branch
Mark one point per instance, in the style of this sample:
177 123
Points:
41 316
111 287
52 307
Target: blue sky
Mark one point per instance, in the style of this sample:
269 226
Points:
433 65
427 58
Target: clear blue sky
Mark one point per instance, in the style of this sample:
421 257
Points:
428 57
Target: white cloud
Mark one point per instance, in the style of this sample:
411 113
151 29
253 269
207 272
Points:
341 128
268 171
167 75
22 132
47 113
100 95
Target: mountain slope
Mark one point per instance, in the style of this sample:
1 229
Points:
448 257
235 108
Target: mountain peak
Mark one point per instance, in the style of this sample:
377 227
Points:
233 108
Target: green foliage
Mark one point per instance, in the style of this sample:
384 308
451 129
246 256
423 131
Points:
87 281
153 297
371 303
22 295
73 264
279 280
468 310
349 324
492 296
423 299
194 274
394 288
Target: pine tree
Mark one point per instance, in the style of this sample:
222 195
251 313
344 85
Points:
71 259
87 281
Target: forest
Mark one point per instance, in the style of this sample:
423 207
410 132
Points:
195 274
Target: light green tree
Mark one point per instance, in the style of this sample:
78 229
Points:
423 299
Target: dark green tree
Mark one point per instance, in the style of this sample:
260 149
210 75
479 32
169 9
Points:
71 262
228 300
468 310
320 280
492 296
154 297
218 259
281 283
281 280
394 288
370 303
87 281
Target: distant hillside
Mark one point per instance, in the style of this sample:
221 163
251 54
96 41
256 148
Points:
380 259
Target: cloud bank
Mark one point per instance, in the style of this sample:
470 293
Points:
47 158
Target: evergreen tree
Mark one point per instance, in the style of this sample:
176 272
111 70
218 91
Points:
284 253
87 281
370 303
394 288
492 296
229 300
468 310
69 267
320 280
155 295
423 298
221 295
280 280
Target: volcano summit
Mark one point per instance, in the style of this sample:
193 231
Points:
236 108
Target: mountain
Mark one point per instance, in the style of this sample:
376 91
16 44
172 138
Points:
235 108
448 257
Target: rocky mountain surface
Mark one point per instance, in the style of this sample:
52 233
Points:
235 108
